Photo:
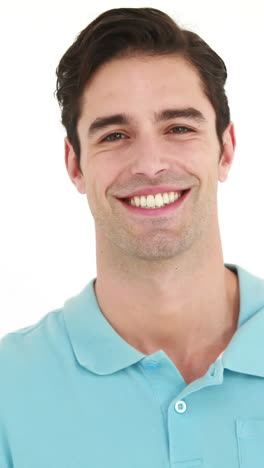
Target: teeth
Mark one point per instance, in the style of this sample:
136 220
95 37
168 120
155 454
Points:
143 201
171 197
137 201
166 198
150 201
159 200
155 201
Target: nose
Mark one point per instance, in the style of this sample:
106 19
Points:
149 158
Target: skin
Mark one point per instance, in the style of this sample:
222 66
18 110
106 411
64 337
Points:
161 279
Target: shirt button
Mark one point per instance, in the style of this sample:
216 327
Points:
180 406
151 364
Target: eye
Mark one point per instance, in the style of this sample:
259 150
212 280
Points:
114 137
180 130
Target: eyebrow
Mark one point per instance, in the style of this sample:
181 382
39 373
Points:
125 119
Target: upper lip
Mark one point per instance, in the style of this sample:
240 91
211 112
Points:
153 191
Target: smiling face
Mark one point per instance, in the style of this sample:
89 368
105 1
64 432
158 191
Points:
147 128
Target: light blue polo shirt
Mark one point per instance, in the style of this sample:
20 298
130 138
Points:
74 394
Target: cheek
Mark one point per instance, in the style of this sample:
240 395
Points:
100 176
190 156
201 159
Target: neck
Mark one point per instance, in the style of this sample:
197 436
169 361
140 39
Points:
189 301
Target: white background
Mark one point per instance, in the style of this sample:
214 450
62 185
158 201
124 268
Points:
47 234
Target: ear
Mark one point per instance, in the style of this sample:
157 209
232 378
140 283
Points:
227 157
72 167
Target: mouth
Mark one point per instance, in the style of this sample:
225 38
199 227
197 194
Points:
161 203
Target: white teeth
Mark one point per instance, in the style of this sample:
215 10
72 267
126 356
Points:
166 198
155 201
159 200
143 201
171 197
137 201
150 201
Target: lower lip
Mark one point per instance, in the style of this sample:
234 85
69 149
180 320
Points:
156 211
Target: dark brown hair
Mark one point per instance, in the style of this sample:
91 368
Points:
122 32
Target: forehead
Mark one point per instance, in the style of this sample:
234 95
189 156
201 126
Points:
144 84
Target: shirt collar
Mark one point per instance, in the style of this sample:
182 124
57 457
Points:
99 348
245 351
96 345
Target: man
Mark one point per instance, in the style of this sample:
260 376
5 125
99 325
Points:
158 361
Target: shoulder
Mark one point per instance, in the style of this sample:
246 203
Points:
25 351
29 358
31 337
32 340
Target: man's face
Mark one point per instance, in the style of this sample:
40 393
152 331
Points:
147 152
